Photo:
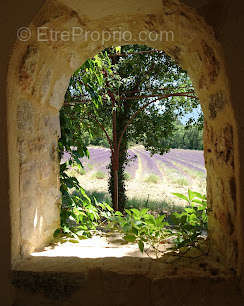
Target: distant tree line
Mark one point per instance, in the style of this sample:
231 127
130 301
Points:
183 137
186 137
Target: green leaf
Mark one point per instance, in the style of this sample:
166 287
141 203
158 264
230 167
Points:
130 238
199 195
181 196
141 245
197 201
57 233
73 241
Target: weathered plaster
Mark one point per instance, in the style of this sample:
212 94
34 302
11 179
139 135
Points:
38 81
35 68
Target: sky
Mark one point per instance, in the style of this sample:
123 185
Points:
195 114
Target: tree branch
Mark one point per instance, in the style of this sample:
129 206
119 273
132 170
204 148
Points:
184 94
158 89
133 53
158 96
104 130
145 106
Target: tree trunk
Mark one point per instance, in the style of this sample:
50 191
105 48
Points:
115 157
116 191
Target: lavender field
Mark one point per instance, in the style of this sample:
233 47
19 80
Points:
154 178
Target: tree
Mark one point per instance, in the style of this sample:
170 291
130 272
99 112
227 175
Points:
185 137
120 90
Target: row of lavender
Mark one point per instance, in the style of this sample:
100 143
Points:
183 162
178 160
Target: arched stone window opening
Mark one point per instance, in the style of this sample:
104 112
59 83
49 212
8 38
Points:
39 72
151 180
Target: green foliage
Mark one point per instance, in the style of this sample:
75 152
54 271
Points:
186 226
141 227
90 166
99 175
127 82
185 137
181 181
127 176
77 169
80 215
81 171
74 142
152 178
155 206
100 141
192 222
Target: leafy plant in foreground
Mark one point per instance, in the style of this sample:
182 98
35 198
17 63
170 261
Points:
192 222
79 216
141 227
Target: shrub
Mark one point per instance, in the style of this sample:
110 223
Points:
141 227
77 169
181 181
99 175
80 215
81 171
191 223
127 176
152 179
90 166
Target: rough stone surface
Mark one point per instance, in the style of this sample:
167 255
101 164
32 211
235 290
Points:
216 68
57 98
28 68
126 281
216 104
44 68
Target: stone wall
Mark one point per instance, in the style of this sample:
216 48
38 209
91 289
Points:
37 80
126 281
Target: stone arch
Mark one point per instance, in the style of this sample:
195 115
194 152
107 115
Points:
39 73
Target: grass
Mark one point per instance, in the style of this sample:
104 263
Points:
127 176
181 181
193 173
152 179
99 175
90 166
153 205
100 196
80 171
76 170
